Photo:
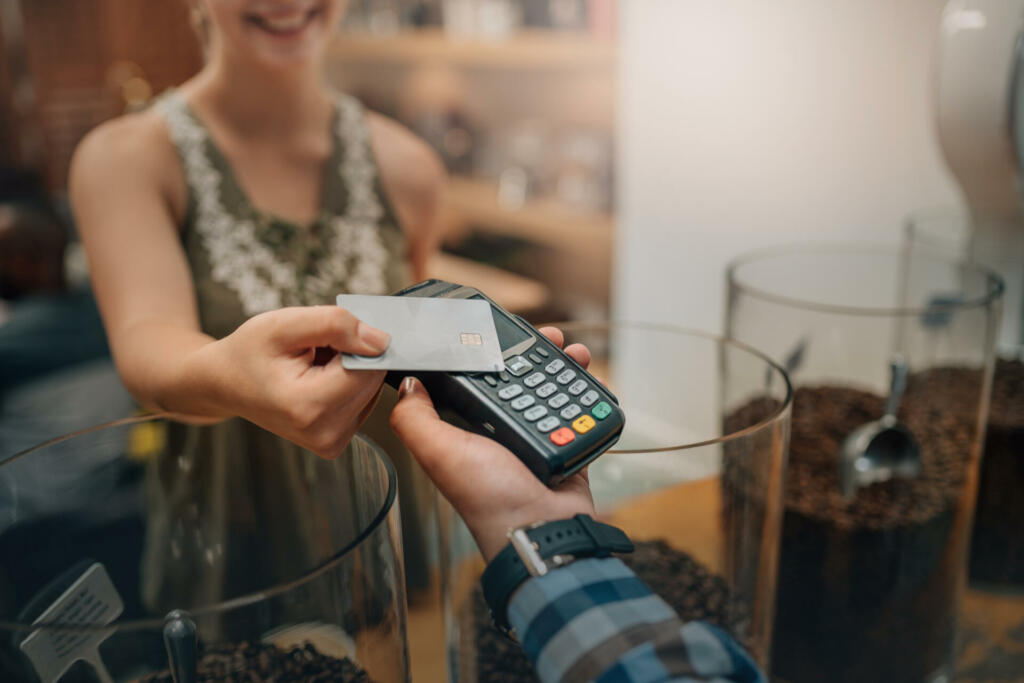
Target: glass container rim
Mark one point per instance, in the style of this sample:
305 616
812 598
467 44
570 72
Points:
776 415
916 226
994 289
248 599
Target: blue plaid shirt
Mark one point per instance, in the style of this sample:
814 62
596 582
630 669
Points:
594 620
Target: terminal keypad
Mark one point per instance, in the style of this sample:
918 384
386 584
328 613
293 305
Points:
534 383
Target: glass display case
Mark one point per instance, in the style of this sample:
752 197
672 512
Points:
112 575
876 523
695 481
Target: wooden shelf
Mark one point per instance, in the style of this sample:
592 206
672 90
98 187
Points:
569 80
474 203
525 50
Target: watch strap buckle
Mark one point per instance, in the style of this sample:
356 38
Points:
562 541
529 554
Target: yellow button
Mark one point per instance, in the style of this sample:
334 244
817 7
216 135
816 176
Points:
583 424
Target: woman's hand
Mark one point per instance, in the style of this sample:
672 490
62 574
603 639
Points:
488 485
282 370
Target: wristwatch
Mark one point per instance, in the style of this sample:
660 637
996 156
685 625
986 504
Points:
536 549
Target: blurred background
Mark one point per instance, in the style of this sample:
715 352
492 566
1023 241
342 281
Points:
607 158
600 153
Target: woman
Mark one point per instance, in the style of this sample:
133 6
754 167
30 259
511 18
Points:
219 225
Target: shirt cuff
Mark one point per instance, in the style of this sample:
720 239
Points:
595 617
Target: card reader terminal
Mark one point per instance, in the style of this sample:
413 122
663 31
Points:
549 411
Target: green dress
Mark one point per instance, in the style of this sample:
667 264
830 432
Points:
222 501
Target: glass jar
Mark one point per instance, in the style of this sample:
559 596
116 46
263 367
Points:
875 532
695 480
114 575
994 605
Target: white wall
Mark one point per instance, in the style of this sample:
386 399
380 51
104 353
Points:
745 123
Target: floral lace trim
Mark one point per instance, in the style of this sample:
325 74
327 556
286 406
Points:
357 261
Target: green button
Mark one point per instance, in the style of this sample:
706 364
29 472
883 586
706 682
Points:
601 410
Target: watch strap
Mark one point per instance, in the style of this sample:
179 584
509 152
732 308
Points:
553 543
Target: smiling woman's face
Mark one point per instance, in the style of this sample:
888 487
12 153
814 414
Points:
276 33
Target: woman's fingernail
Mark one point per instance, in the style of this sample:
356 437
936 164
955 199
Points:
407 385
376 339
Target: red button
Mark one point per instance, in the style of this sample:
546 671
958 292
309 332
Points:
562 436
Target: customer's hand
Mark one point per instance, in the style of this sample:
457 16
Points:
488 485
282 370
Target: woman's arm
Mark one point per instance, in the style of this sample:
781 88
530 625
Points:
413 178
128 195
126 207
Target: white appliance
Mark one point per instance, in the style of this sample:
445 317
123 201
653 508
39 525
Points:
980 116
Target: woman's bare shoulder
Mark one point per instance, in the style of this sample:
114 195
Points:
411 170
139 139
133 150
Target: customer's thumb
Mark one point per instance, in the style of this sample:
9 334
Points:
417 424
414 410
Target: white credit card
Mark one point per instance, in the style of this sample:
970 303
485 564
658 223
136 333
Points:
452 335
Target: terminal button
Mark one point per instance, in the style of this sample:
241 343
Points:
511 391
554 366
518 366
558 401
547 424
601 410
535 413
566 377
583 424
547 390
571 411
562 436
523 402
533 380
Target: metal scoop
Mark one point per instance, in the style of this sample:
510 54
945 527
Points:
883 449
180 640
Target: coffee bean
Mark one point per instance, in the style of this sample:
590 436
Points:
252 662
997 544
867 586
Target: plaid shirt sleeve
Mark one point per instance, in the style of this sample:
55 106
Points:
594 620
